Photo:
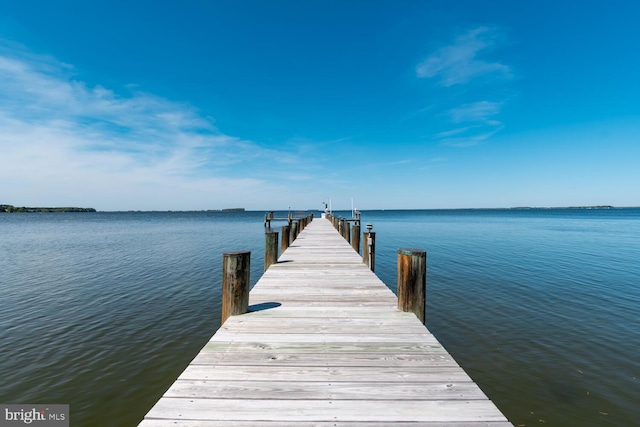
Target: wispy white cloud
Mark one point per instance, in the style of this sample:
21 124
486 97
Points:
471 138
474 112
478 123
453 132
63 141
459 62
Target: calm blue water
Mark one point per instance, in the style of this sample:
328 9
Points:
541 307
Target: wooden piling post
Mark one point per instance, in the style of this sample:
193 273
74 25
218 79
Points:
236 267
369 249
355 237
412 281
347 231
270 248
294 230
365 248
286 231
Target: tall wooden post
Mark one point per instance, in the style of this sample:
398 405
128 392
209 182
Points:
368 249
347 231
270 248
412 281
236 267
294 230
286 230
372 250
365 248
355 237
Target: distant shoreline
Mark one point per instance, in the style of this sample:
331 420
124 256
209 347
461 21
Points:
24 209
566 207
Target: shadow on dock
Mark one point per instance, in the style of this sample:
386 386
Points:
263 306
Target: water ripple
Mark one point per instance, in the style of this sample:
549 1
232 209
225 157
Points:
103 311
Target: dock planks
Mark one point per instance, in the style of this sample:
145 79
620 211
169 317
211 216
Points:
324 345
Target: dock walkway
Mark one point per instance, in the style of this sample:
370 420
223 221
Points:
323 345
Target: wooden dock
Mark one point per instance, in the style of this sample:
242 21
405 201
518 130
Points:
323 345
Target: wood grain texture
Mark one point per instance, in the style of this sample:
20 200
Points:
323 344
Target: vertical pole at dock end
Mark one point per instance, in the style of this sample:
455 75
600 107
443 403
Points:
372 250
286 230
270 248
355 238
412 281
236 267
369 249
365 247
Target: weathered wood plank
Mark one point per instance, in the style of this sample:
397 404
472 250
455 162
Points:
325 348
261 311
325 410
240 324
278 390
436 357
398 374
321 339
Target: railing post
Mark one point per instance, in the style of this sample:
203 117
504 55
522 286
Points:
369 247
347 231
270 248
412 281
355 237
286 231
236 267
365 247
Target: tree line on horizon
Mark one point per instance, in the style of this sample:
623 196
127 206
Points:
24 209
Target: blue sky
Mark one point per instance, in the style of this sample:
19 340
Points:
167 105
